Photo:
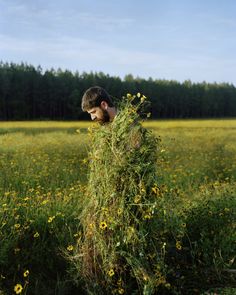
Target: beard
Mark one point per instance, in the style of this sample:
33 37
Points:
105 118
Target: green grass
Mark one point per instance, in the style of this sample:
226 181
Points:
43 176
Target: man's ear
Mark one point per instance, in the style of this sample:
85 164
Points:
104 105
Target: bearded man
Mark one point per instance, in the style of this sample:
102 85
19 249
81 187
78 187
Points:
99 105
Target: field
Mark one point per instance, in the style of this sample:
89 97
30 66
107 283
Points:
43 176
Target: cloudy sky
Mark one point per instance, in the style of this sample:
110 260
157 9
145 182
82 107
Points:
179 40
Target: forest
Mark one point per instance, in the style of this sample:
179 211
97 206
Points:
31 93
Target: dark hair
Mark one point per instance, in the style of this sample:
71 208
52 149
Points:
93 98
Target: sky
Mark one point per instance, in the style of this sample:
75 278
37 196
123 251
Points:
162 39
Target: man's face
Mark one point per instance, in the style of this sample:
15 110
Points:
100 115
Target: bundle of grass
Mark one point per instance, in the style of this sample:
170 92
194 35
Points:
122 250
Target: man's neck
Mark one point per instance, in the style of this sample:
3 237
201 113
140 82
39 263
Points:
112 113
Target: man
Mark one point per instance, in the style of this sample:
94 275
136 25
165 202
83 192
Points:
97 102
99 105
120 209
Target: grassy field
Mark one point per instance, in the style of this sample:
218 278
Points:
43 174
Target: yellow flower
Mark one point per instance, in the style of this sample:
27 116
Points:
17 225
138 94
154 189
147 216
36 235
103 225
143 98
44 202
70 248
119 211
183 224
137 199
111 272
178 245
121 291
18 288
50 219
26 273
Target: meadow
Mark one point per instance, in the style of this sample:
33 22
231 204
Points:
43 176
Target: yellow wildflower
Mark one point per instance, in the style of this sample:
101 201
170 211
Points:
178 245
147 216
36 235
143 98
119 211
137 199
26 273
50 219
111 272
17 225
44 202
70 248
121 291
154 190
103 225
18 288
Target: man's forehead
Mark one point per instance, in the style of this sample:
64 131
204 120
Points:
92 110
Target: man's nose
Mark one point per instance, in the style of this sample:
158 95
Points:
93 117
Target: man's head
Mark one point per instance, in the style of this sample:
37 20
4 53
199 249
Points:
97 102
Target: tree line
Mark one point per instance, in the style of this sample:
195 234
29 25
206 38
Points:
29 93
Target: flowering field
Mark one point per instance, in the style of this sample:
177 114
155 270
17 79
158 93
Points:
43 176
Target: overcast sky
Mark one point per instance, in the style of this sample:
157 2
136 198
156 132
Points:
162 39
